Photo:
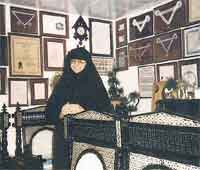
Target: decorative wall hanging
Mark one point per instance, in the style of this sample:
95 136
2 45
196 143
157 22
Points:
190 72
122 59
18 92
192 41
103 65
39 91
81 29
121 32
167 71
141 26
141 52
25 56
2 19
103 28
3 80
146 78
167 46
52 24
170 16
194 13
3 51
54 53
24 20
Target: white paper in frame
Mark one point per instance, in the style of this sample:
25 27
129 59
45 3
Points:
39 91
166 72
194 13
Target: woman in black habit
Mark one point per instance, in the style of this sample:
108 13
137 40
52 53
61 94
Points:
80 88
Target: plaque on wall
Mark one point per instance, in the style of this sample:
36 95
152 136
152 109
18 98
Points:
52 24
194 13
140 52
121 32
190 72
146 78
167 46
3 51
170 16
192 41
2 19
25 56
167 71
3 78
122 59
141 26
24 20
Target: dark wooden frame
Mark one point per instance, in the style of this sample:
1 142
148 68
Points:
52 34
156 166
2 19
3 80
9 86
45 42
19 28
3 51
38 101
91 20
121 33
10 63
118 51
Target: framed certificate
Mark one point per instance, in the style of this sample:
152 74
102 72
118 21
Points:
24 20
122 58
101 31
121 32
146 79
2 19
192 41
167 71
25 56
18 92
190 71
194 13
3 51
39 91
3 80
54 53
52 24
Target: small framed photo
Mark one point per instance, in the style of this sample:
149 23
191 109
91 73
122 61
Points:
101 31
167 71
3 80
24 20
18 92
2 19
3 51
122 58
121 32
54 53
39 91
52 24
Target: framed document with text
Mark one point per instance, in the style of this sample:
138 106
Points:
18 92
194 13
52 24
54 53
122 58
146 79
3 80
25 56
39 91
121 33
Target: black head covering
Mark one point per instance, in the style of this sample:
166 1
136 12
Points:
85 88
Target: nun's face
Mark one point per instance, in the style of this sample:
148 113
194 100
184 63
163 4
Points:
77 65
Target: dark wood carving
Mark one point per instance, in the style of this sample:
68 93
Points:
141 26
121 33
122 59
167 46
140 52
2 19
170 16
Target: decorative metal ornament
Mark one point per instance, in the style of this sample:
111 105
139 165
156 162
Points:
81 29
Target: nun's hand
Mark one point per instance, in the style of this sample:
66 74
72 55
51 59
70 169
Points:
70 109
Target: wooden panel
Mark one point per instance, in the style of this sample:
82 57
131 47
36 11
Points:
121 33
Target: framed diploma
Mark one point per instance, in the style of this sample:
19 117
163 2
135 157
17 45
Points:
18 92
24 20
141 26
54 53
2 19
122 59
3 80
3 51
194 13
121 32
192 41
101 31
190 72
52 24
146 79
167 71
25 56
39 91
